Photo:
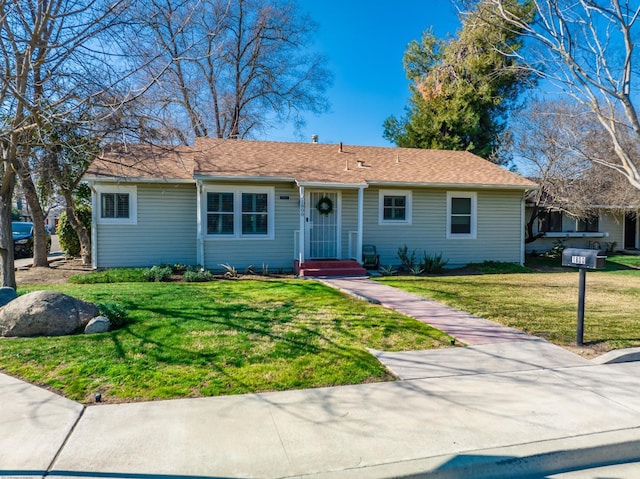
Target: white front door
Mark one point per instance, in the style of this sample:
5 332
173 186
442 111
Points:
322 225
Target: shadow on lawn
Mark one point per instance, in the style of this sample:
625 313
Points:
230 332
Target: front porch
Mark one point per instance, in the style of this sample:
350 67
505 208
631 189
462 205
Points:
324 245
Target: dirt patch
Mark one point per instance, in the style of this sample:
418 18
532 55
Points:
59 271
587 351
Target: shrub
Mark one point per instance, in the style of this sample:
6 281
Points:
387 270
558 248
416 270
433 264
158 273
197 276
116 313
408 260
179 268
67 236
230 271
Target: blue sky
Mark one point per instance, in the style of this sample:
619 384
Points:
364 42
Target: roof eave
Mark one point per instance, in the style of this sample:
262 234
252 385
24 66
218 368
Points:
405 184
330 184
278 179
125 179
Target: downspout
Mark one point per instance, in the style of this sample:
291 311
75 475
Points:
301 235
360 223
94 226
199 230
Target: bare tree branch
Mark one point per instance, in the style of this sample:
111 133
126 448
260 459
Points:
239 66
585 49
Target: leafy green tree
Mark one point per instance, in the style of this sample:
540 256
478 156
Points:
462 88
69 241
69 151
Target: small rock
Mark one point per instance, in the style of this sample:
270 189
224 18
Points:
99 324
6 295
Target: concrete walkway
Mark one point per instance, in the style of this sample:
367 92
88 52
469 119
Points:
494 410
464 327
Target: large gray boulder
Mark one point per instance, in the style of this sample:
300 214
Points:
7 295
45 313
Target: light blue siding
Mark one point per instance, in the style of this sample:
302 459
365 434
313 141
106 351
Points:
165 231
498 228
167 221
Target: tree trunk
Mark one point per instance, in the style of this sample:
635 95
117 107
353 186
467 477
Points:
531 237
6 236
39 237
79 228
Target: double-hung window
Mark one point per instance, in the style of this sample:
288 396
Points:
117 204
240 212
255 213
394 207
220 215
461 215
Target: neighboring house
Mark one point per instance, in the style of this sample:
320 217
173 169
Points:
608 229
50 221
258 203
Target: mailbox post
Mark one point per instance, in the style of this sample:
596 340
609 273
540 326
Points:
583 259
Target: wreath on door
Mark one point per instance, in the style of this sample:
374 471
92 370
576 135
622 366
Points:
325 206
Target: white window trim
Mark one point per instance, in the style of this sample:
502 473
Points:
132 191
474 214
408 208
237 212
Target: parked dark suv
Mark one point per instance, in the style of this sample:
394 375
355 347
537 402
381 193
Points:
23 239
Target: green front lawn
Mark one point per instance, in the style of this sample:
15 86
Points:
545 303
222 337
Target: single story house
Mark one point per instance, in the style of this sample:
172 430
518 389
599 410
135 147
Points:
608 229
282 205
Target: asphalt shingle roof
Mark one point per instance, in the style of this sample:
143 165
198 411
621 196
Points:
305 163
143 162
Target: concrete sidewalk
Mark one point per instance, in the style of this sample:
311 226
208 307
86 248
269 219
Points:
509 424
495 410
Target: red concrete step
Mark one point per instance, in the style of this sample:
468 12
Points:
332 268
333 272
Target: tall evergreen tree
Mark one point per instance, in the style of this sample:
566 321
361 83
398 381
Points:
462 88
